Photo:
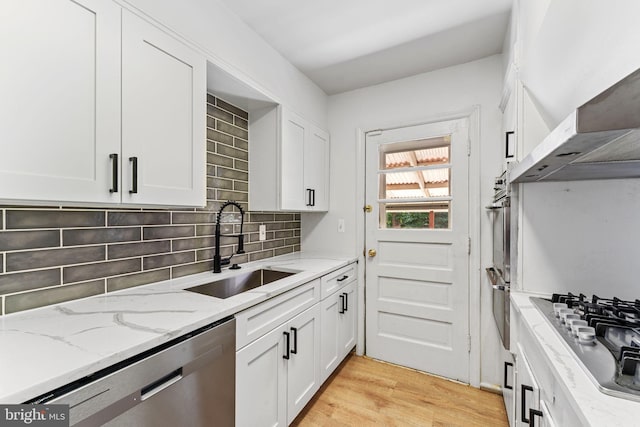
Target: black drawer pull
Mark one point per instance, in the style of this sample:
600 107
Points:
506 368
532 416
114 173
295 340
287 338
523 401
343 278
134 175
309 202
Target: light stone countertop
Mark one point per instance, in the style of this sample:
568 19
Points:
45 348
598 409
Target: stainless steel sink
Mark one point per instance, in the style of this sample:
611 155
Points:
225 288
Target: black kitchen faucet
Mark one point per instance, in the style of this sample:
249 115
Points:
218 262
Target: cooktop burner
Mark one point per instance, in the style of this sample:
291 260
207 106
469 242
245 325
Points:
604 334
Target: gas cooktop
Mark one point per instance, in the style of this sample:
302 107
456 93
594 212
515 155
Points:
604 335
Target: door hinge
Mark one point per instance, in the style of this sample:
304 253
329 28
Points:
468 147
469 246
468 343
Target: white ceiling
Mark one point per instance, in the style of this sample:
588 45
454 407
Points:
348 44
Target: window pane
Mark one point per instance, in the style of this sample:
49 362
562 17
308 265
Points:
414 184
417 184
425 215
437 154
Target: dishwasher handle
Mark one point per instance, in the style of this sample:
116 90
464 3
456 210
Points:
159 385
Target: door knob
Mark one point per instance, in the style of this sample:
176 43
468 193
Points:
368 208
372 253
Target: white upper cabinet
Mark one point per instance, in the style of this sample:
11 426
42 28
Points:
60 99
85 87
289 167
163 117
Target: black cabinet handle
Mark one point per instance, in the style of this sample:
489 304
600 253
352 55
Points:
346 301
287 339
506 367
532 415
313 197
523 401
134 175
343 278
309 197
341 304
114 173
295 340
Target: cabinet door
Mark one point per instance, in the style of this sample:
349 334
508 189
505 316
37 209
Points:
261 385
330 324
303 368
316 169
527 390
60 102
293 139
508 388
163 117
347 327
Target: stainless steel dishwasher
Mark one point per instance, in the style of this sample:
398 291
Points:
189 381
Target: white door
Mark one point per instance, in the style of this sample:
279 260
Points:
59 100
348 319
330 329
294 136
261 382
316 157
163 117
303 366
417 269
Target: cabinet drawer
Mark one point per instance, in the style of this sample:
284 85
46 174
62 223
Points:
257 321
337 279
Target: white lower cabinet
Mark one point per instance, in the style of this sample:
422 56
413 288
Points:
508 391
539 400
287 346
338 327
527 390
277 374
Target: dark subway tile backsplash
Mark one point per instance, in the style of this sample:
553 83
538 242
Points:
28 219
16 240
30 260
81 273
55 254
18 282
93 236
139 218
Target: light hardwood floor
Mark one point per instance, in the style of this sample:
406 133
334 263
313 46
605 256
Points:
366 392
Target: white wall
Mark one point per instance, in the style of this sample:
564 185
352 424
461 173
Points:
404 101
576 236
573 49
234 46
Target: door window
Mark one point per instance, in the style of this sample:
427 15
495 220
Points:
414 185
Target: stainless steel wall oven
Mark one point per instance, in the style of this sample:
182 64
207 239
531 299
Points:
500 271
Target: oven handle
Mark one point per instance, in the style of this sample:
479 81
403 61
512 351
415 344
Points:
497 282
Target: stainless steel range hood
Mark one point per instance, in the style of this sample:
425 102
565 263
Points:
600 140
